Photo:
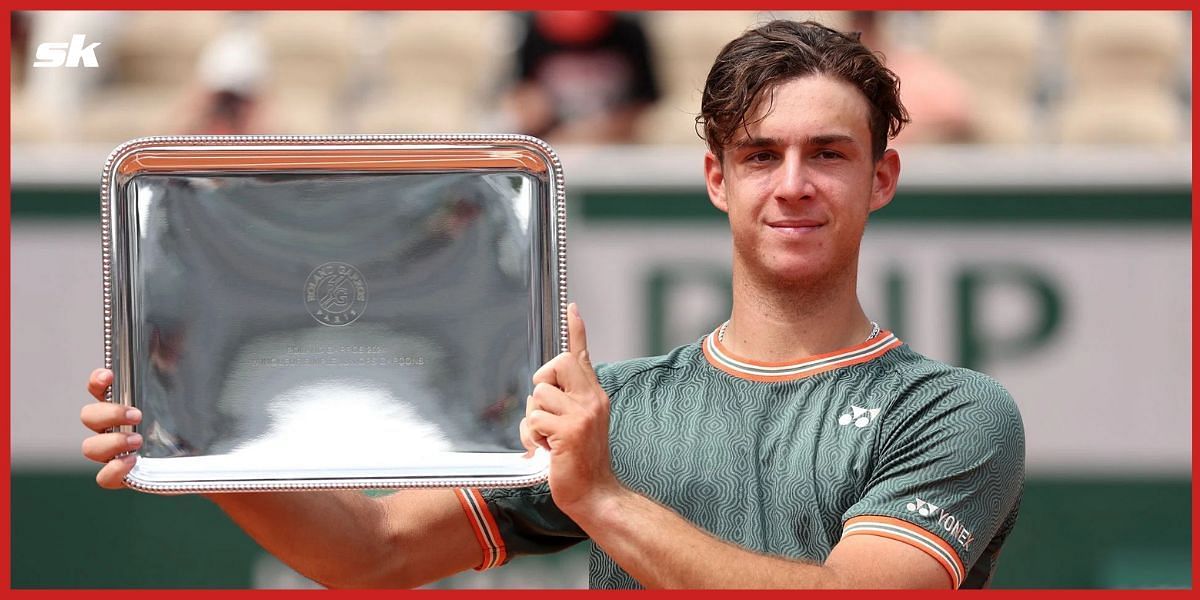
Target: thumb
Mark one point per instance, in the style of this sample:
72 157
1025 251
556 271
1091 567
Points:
578 339
576 332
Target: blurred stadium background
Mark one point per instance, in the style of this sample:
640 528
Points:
1043 237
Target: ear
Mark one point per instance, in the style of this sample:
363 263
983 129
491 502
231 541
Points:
714 180
887 174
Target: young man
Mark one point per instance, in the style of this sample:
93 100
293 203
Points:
796 446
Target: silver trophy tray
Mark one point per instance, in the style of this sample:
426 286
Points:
331 312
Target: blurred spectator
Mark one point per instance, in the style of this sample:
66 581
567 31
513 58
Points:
19 25
938 101
230 76
581 76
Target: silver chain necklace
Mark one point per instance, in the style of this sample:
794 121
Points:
721 331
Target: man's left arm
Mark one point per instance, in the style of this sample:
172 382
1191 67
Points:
661 549
568 415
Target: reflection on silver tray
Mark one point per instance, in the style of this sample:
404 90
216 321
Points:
310 312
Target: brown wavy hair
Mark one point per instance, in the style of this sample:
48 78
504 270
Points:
779 51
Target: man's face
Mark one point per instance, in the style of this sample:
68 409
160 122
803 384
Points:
799 184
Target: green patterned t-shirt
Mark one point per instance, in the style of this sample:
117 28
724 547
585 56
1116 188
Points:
787 459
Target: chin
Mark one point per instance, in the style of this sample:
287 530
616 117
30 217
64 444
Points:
790 266
796 273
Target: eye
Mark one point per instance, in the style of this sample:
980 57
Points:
759 157
828 154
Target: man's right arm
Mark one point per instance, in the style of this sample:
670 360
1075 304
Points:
337 538
347 539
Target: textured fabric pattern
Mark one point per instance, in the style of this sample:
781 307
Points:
897 445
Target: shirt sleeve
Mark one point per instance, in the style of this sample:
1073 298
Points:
515 522
949 472
512 522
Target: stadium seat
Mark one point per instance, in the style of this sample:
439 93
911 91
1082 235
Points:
999 119
671 121
124 112
414 109
996 55
1116 116
683 45
160 48
1125 48
991 50
310 47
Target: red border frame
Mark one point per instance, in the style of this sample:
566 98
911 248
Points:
109 553
6 526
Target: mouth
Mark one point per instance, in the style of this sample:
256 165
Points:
795 226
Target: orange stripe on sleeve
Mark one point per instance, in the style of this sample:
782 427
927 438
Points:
476 526
490 521
956 571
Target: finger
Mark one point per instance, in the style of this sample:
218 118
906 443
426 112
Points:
576 344
585 364
548 398
565 373
576 331
106 446
531 439
112 475
526 441
578 340
103 416
573 375
545 426
548 373
98 383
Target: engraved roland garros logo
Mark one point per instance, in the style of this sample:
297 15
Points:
335 294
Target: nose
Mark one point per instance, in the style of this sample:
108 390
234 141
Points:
794 179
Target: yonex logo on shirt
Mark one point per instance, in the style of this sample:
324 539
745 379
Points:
861 417
946 520
922 508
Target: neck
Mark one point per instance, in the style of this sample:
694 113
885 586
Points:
771 323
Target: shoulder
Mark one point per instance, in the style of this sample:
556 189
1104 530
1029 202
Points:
918 375
616 376
948 423
926 390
